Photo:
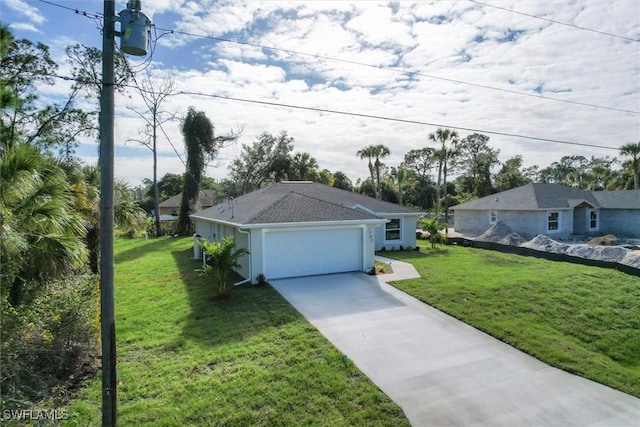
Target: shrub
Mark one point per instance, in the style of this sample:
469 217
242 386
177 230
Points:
262 281
49 344
434 228
222 257
168 228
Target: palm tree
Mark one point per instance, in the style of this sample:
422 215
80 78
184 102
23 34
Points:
222 257
376 152
434 228
41 229
401 174
448 140
633 150
303 167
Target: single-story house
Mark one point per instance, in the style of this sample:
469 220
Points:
302 228
171 206
554 210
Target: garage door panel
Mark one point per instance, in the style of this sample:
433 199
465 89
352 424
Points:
294 253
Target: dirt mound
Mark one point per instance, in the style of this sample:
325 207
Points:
546 244
501 233
608 240
601 253
632 259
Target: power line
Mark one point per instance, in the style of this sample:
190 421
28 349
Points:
346 113
557 22
396 70
394 119
380 67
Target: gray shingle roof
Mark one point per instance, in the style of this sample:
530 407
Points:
627 199
206 198
288 202
532 197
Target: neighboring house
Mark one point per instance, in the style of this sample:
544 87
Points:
301 228
554 210
171 206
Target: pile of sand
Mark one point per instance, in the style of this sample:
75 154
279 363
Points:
632 259
599 248
618 254
608 240
546 244
503 234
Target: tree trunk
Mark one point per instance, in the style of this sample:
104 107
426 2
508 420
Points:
438 188
373 179
378 186
156 195
446 207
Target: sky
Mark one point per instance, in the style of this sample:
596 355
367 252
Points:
488 66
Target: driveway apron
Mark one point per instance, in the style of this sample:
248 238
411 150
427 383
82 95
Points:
441 371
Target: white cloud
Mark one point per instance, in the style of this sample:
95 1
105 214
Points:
23 8
456 40
24 27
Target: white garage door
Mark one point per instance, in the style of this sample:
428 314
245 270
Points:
295 253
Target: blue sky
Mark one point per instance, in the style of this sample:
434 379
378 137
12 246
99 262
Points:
456 40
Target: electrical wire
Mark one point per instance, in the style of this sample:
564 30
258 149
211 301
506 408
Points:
350 113
395 119
396 70
556 22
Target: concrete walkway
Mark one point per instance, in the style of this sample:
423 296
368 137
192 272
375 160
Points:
441 371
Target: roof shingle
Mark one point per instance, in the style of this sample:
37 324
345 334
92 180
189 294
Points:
301 201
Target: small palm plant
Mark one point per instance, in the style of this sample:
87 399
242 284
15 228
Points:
222 257
434 228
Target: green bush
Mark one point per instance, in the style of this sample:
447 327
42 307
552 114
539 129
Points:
168 228
49 344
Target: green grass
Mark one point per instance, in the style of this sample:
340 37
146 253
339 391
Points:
584 320
249 360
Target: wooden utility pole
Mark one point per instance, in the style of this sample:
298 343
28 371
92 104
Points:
107 307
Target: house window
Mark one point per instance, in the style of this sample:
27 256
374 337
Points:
493 217
593 220
553 221
392 229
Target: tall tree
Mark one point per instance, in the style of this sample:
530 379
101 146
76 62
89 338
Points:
154 94
340 180
374 154
401 176
477 158
447 140
202 146
633 150
303 167
420 162
266 160
510 174
24 66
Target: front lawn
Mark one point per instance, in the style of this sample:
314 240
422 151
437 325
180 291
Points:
585 320
249 360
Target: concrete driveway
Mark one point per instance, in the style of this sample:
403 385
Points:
441 371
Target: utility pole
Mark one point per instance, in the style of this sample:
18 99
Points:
107 306
134 25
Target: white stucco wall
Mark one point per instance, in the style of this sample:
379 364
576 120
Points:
252 265
214 232
408 225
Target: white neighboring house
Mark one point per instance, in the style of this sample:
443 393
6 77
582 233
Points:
301 228
554 210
